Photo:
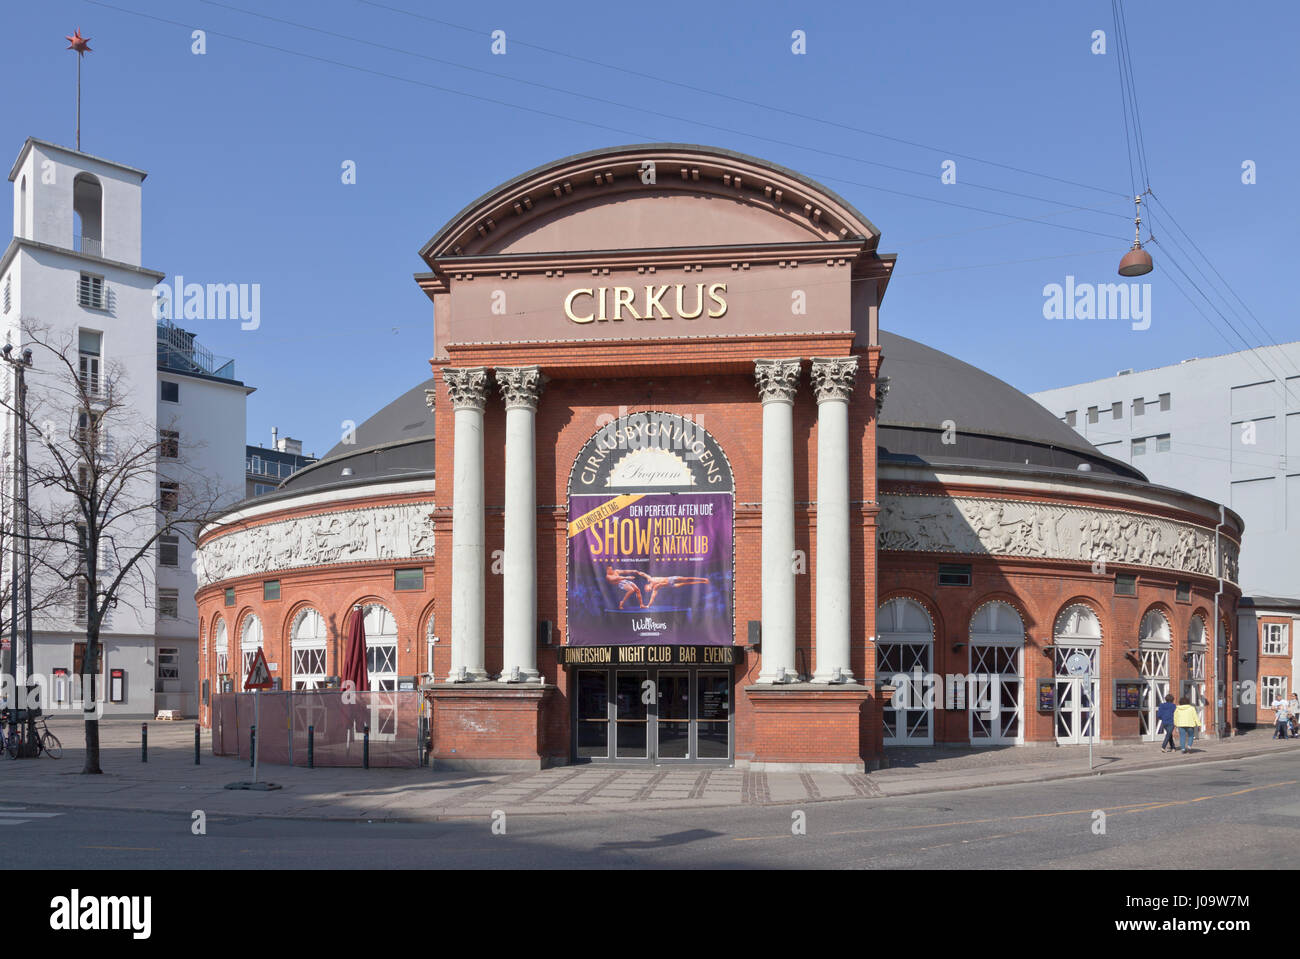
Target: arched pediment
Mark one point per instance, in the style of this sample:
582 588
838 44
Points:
700 197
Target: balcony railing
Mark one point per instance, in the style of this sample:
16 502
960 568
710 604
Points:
256 466
178 350
90 245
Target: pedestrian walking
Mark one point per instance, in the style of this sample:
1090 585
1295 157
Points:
1186 719
1293 708
1165 723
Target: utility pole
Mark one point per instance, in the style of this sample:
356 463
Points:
22 521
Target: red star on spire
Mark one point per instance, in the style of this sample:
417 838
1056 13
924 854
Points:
78 42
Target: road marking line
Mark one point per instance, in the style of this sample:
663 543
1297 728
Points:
125 848
29 815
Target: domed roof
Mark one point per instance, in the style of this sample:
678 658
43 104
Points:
986 421
993 424
394 443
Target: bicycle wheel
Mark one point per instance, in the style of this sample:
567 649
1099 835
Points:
53 748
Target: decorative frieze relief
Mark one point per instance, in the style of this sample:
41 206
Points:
1000 527
345 536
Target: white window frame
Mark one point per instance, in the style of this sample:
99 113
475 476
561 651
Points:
92 291
221 648
1271 689
250 638
378 640
309 645
90 365
1276 640
167 593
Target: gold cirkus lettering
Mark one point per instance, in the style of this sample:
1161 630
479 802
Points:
714 290
568 306
699 302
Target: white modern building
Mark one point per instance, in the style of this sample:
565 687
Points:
74 270
1226 428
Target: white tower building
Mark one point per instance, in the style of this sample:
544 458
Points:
73 268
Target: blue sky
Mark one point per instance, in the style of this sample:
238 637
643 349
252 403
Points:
244 146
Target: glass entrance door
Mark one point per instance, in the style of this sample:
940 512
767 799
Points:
674 721
591 714
713 709
632 698
666 715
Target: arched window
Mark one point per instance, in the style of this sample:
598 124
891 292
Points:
87 215
1194 684
430 640
221 644
995 699
1154 642
1076 641
307 641
250 638
381 647
904 656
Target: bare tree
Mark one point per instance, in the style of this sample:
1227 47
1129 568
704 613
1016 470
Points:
112 484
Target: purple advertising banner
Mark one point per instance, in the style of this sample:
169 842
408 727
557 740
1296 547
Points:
650 568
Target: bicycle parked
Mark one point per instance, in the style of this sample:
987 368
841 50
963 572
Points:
13 731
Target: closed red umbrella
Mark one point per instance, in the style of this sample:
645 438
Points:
354 657
354 668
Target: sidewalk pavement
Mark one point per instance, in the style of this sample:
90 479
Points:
171 783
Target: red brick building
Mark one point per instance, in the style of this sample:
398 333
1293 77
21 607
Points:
693 505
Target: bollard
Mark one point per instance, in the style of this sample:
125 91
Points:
196 744
144 742
311 747
252 744
365 747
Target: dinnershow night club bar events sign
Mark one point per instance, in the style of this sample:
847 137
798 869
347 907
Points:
651 501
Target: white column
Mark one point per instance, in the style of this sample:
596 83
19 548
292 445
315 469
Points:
832 382
521 386
778 380
468 388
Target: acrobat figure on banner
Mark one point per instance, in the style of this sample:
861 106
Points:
656 583
626 580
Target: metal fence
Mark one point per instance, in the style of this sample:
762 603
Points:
338 727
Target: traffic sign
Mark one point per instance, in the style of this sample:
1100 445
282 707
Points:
259 676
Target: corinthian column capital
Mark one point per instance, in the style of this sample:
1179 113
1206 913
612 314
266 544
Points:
777 380
520 385
467 385
834 379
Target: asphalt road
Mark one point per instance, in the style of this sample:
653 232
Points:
1238 814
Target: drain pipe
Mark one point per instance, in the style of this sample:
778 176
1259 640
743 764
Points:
1221 667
